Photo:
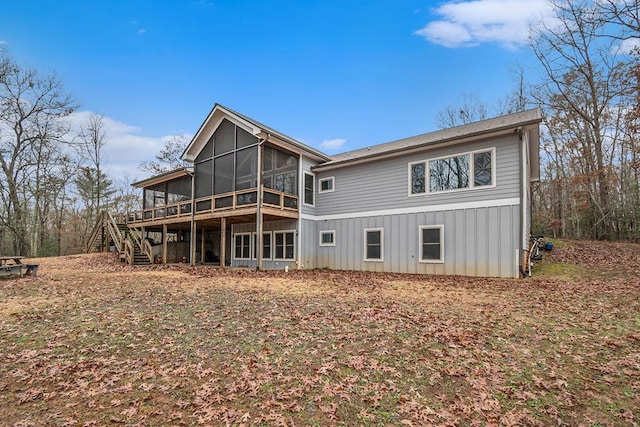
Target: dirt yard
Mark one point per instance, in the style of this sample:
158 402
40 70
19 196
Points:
91 342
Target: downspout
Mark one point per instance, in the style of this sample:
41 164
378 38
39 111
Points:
523 198
192 234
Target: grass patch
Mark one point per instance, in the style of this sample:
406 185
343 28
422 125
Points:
111 344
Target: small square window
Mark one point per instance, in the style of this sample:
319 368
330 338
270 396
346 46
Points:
373 244
431 243
328 238
327 184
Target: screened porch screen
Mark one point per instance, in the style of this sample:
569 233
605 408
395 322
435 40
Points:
228 162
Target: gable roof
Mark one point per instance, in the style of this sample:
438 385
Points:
219 112
491 127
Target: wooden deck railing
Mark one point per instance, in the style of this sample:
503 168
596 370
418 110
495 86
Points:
217 203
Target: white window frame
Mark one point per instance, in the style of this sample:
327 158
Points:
304 189
381 259
333 238
331 179
254 241
471 187
284 249
421 246
250 246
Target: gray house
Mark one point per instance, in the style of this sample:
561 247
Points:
455 201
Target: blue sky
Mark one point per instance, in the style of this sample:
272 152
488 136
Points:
337 75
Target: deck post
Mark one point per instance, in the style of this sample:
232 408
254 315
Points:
202 244
259 208
223 238
164 243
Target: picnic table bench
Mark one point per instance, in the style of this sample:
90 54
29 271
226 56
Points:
10 265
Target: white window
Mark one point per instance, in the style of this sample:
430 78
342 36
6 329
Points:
458 172
327 184
309 186
328 238
242 246
432 243
373 244
266 245
284 245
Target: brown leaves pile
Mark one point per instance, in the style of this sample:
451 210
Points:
93 342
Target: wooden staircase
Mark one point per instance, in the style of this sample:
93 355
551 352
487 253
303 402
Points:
109 232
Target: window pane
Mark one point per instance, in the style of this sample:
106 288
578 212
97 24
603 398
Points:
266 245
430 251
374 244
245 245
417 178
430 235
482 169
326 185
223 171
373 237
449 174
204 179
308 189
224 137
207 151
238 246
246 168
373 252
179 190
327 238
279 245
244 138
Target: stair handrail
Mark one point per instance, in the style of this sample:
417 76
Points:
129 252
143 244
93 236
115 232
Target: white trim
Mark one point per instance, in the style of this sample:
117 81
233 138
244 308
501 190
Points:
421 246
333 238
284 247
332 179
381 230
514 201
471 187
304 188
247 233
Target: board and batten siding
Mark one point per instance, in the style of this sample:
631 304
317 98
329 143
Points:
384 184
481 241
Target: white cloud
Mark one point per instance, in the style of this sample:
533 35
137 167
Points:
627 46
332 144
2 42
470 23
125 145
142 31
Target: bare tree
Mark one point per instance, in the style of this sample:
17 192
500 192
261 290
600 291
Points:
31 109
169 157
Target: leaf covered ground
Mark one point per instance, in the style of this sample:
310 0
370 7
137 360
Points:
92 342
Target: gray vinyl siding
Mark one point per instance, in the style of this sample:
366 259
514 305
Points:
477 242
384 184
279 225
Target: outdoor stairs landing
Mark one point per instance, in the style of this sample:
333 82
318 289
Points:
139 257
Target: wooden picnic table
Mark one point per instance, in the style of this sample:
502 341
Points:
4 260
10 265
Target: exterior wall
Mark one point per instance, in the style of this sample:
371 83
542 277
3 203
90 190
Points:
384 184
280 225
480 241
